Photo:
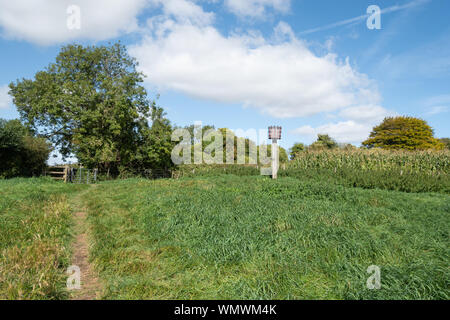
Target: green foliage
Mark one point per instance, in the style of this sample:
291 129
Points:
347 146
21 154
228 138
403 133
283 155
91 103
370 169
225 237
155 144
446 142
324 141
296 149
228 135
376 179
228 237
192 131
215 170
35 235
393 170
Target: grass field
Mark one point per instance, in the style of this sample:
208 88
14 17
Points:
228 237
35 235
234 237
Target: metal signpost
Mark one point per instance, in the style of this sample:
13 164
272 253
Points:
275 135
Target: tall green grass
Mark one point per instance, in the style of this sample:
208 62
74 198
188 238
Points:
214 170
424 171
229 237
35 234
415 162
370 169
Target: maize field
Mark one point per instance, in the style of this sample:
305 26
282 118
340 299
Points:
428 162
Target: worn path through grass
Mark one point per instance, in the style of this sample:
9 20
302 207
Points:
90 284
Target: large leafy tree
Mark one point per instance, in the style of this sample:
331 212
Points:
296 149
155 144
403 133
90 103
21 153
324 141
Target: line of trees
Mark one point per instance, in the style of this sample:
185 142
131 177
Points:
394 133
90 103
233 140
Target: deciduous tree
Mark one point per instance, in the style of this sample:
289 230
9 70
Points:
91 103
403 133
296 149
324 141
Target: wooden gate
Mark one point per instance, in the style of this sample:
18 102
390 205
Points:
58 173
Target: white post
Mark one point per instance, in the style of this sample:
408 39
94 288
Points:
275 158
275 135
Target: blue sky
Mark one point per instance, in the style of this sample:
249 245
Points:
309 66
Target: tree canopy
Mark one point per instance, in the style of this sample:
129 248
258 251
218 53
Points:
91 103
446 142
296 149
403 133
324 141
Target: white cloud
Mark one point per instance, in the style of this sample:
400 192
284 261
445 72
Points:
5 98
257 8
366 114
185 11
345 131
280 77
45 21
359 124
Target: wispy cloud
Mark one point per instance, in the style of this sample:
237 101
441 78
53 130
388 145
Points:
257 8
355 126
437 105
437 110
5 98
361 18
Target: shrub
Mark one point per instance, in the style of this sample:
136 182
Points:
21 154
